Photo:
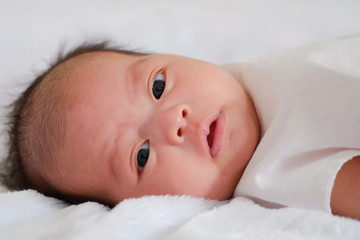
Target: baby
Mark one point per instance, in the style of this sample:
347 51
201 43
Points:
107 124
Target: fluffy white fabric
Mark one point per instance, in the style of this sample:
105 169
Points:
243 219
30 215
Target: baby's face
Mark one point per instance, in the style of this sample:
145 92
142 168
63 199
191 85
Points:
154 125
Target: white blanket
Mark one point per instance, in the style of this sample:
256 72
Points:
30 215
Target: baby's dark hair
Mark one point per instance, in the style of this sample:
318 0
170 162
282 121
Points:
36 125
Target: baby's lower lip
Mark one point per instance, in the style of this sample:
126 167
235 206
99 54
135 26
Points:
215 134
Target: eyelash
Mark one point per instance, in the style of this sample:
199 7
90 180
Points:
154 89
144 150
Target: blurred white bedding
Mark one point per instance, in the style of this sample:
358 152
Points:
218 31
30 215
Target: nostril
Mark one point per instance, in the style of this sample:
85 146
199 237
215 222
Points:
184 113
179 132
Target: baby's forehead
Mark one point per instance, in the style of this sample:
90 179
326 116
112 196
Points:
84 60
82 73
88 58
73 67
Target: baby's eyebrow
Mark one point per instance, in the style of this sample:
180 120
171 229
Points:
113 152
135 69
116 158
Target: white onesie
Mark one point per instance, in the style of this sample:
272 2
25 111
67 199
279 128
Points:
308 103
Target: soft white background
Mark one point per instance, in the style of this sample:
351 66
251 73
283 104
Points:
219 31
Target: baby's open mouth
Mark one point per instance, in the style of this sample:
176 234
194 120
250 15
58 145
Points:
210 137
216 134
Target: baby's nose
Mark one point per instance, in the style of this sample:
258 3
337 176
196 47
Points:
173 122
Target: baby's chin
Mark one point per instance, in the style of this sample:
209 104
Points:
220 194
212 195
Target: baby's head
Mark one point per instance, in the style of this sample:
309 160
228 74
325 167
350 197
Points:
104 124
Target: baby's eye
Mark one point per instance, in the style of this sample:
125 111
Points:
142 156
158 86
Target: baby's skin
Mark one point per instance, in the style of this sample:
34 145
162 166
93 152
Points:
152 125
